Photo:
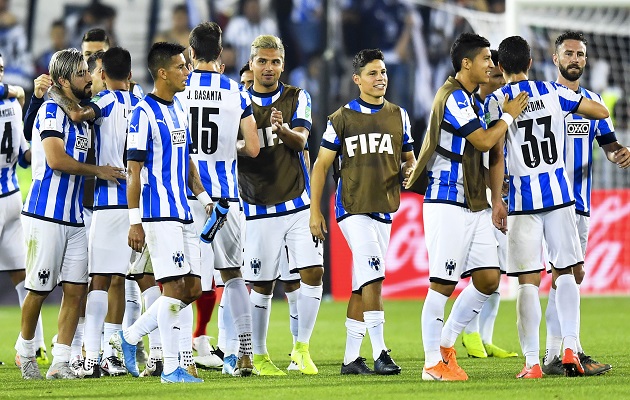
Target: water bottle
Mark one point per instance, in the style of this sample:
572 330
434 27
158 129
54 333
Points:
215 222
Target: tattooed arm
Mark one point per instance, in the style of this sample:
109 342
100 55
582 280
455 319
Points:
75 111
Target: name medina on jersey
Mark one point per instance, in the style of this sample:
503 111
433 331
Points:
200 94
369 143
535 105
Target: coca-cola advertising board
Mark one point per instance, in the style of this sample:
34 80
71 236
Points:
607 260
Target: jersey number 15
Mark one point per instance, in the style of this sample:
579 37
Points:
206 136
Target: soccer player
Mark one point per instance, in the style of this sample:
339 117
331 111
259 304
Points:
53 221
364 204
247 76
275 191
570 59
459 232
477 336
160 171
541 202
217 108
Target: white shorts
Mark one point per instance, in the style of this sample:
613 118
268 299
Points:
108 249
501 239
12 249
140 264
583 222
264 245
459 242
87 221
526 233
368 240
56 254
226 250
288 270
173 248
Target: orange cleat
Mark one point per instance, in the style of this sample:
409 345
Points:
449 357
442 372
530 373
572 364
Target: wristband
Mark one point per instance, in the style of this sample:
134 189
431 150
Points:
204 198
134 216
507 118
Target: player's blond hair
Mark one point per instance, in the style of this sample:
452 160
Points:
266 42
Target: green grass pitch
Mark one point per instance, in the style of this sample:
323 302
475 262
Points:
605 330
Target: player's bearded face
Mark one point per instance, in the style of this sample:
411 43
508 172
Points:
81 83
571 59
571 71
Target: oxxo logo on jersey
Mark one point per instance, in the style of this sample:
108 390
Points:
178 136
578 127
81 143
372 143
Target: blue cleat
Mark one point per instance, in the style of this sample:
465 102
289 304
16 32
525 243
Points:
229 364
180 375
128 350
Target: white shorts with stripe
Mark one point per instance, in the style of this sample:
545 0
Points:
12 249
56 253
583 223
459 241
173 248
109 251
265 239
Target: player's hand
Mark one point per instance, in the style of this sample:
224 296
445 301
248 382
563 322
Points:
135 239
276 119
622 157
317 223
41 85
499 216
209 207
406 173
516 106
109 173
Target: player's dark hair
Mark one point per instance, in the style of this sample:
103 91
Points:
117 63
96 35
495 57
570 35
467 45
514 55
160 56
205 40
365 56
244 69
91 61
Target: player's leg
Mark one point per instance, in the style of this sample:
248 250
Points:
353 363
151 294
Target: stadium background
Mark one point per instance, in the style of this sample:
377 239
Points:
415 36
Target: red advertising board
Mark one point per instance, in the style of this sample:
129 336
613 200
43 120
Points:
607 257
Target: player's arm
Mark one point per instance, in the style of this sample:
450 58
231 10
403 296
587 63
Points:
75 111
485 139
249 146
496 175
293 138
135 237
195 186
317 223
591 109
409 163
13 91
618 154
41 85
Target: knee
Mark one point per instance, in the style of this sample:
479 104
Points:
579 274
312 275
487 287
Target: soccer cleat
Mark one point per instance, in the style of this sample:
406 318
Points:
179 376
206 357
302 357
42 357
384 365
473 344
113 366
571 363
356 367
229 364
495 351
217 352
441 372
554 367
263 366
61 370
77 364
244 366
592 367
128 350
141 355
449 356
153 368
28 367
192 370
292 366
530 373
93 372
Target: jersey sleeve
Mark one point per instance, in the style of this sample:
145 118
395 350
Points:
51 118
492 108
302 116
569 100
246 103
330 139
102 104
138 136
460 114
407 139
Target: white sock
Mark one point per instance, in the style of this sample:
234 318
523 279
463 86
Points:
151 295
261 309
528 315
488 316
108 330
432 322
221 342
95 312
467 305
77 340
473 325
240 308
309 300
61 353
168 320
147 322
294 315
231 343
133 303
25 348
553 344
568 305
355 332
185 336
374 322
578 343
39 329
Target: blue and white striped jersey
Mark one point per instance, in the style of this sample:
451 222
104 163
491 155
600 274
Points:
535 145
215 105
330 140
54 195
159 138
300 118
581 133
463 114
12 145
111 135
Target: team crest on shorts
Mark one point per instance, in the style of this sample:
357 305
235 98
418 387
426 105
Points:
375 263
178 259
450 266
43 276
255 265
